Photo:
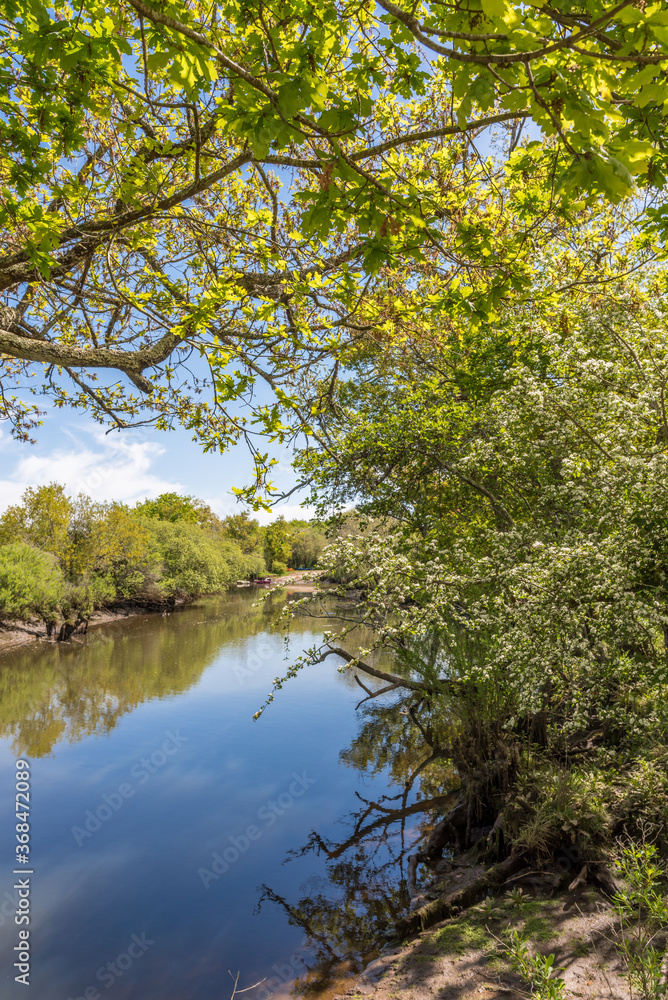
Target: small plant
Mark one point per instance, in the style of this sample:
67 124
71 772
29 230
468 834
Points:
643 913
517 898
537 970
489 909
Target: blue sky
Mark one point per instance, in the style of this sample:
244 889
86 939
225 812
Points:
73 450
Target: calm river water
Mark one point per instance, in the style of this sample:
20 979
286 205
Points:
175 841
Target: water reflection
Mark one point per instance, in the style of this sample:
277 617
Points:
87 714
56 692
369 880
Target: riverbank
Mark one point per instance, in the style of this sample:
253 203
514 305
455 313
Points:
465 957
16 633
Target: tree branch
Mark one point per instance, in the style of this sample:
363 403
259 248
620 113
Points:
131 363
441 686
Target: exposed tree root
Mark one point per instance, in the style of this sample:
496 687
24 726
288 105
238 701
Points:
451 830
452 903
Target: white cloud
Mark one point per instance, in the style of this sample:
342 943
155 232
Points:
131 466
106 467
288 510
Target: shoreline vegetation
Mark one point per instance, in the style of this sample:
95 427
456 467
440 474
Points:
15 633
514 585
67 562
562 895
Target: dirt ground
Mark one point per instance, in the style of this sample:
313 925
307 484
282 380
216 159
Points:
463 958
299 581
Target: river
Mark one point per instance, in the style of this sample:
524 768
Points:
177 843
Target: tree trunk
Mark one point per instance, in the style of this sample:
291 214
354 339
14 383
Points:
451 904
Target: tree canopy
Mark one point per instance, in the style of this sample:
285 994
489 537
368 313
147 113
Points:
196 198
523 490
63 557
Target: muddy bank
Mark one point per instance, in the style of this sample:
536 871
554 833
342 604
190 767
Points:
13 634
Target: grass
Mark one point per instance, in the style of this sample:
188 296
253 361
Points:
463 934
537 915
469 932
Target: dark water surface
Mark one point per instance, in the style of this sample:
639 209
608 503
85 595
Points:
174 839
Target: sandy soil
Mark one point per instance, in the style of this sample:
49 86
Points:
300 581
463 958
18 633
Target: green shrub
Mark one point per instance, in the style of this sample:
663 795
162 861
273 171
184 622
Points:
192 562
277 545
642 908
62 558
537 970
189 561
31 583
554 806
307 544
80 600
642 808
238 565
251 566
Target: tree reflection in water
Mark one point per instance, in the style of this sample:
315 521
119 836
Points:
55 693
345 915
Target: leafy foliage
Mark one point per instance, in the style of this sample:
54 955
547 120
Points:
192 563
512 476
42 520
529 503
643 912
252 189
174 507
538 970
277 545
307 544
75 555
244 530
30 582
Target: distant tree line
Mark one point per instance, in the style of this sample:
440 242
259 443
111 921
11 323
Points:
63 557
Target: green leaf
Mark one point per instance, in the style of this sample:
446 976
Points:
494 8
289 98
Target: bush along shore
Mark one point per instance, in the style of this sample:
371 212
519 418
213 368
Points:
513 588
65 561
545 875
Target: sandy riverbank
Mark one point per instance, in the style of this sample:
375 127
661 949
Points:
463 958
299 582
13 634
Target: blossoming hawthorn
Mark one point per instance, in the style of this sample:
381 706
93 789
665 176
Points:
519 513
